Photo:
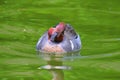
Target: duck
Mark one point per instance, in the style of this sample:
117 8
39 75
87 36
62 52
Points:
61 38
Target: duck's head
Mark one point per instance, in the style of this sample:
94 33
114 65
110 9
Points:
56 34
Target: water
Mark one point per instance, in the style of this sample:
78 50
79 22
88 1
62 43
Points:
55 62
23 22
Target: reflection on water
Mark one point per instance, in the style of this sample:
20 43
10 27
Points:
55 62
59 56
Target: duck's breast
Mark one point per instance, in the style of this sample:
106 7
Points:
51 47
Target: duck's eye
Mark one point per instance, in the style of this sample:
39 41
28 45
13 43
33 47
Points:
63 32
49 35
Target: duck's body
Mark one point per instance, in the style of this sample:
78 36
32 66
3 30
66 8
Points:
66 40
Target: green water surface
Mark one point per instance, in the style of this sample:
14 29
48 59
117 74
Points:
22 22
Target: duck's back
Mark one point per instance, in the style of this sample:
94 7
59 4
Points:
71 40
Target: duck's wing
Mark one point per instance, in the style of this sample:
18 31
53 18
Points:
41 41
72 40
70 32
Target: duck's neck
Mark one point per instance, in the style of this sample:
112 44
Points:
59 39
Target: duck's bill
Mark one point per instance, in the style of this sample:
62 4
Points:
53 36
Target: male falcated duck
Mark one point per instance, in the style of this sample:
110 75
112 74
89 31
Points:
59 39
